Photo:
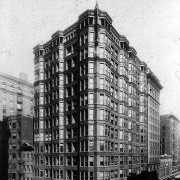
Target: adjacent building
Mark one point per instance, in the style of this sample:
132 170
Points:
165 169
170 137
92 95
154 88
27 161
20 152
16 96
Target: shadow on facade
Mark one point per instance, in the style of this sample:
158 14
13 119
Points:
4 137
145 175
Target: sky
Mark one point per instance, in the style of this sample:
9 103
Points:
151 26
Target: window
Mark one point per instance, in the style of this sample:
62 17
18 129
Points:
91 161
74 160
69 160
121 122
14 125
83 69
116 147
91 145
101 68
84 100
91 98
68 64
91 130
101 99
83 146
101 161
121 160
121 147
91 20
101 52
101 83
13 155
101 37
91 83
107 55
81 40
91 176
85 53
101 174
120 134
101 130
112 146
91 52
41 173
129 136
91 37
91 67
121 173
101 114
68 51
85 38
13 135
101 145
116 134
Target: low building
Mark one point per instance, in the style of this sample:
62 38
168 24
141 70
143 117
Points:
170 137
16 99
27 157
165 170
21 130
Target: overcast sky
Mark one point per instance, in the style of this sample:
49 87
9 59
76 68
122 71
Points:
151 26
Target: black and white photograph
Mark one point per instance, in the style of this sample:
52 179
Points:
90 90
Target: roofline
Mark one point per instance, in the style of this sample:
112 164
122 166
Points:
151 75
167 116
18 80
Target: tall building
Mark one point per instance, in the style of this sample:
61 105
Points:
16 96
91 103
20 151
154 88
170 136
